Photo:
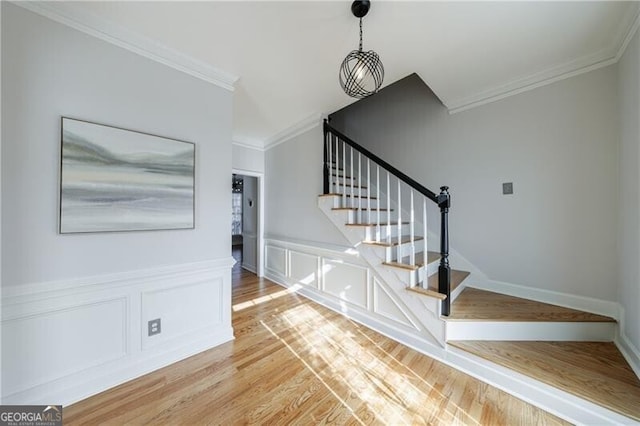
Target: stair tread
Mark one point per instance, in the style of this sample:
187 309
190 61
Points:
481 305
457 277
419 261
595 371
394 241
335 194
432 284
382 209
427 292
349 186
375 224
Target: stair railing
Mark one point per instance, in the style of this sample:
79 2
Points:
340 160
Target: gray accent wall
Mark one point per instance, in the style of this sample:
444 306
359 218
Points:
557 144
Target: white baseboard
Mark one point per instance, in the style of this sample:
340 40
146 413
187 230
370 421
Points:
630 352
250 268
86 335
77 387
587 304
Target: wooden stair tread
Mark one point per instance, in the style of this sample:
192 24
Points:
419 261
427 292
595 371
375 224
334 194
456 278
432 284
394 241
349 185
482 305
382 209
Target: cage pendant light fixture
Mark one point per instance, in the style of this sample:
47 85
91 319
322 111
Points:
361 73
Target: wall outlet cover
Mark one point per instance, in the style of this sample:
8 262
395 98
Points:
154 327
507 188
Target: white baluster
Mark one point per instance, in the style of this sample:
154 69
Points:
344 181
399 259
388 208
412 256
360 186
331 164
424 230
351 174
378 198
369 192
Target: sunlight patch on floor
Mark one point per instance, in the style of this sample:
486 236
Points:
262 299
360 371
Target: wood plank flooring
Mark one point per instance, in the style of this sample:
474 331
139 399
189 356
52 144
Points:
296 362
595 371
481 305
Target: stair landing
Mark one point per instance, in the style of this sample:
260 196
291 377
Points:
595 371
481 305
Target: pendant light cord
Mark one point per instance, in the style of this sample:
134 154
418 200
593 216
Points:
361 34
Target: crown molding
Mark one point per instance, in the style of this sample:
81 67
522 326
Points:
630 33
66 14
570 69
600 59
247 145
292 131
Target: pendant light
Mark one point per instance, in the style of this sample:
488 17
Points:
361 73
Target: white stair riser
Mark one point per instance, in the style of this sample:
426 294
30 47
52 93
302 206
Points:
361 216
359 202
531 331
371 233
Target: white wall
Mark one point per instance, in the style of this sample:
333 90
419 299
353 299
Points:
293 183
557 144
93 294
247 159
629 207
250 223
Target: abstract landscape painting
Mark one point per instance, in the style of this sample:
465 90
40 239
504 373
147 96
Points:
120 180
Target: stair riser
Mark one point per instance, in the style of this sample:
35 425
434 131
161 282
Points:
355 217
416 276
358 202
371 233
398 252
531 331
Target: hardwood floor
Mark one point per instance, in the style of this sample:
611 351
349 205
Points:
595 371
294 361
481 305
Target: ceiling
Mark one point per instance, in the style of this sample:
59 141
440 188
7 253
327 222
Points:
286 55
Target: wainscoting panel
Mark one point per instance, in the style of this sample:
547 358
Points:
35 348
276 260
65 341
182 310
385 305
346 281
304 268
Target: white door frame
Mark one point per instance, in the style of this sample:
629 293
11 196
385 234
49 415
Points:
260 236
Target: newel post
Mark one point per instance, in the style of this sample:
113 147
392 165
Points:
325 171
444 271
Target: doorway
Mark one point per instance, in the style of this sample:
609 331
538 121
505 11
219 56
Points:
246 222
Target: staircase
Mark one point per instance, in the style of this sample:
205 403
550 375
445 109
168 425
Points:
384 214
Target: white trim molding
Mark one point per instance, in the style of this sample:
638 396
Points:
247 145
65 13
294 130
605 57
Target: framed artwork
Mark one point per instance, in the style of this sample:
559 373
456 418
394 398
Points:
113 179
